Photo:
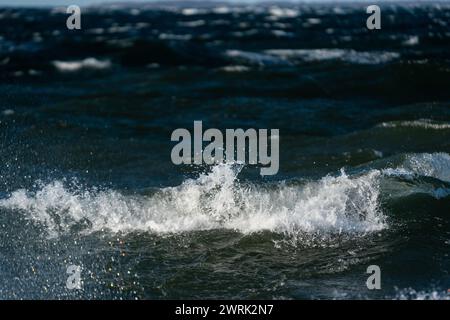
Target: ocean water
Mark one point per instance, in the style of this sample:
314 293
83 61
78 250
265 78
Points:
86 177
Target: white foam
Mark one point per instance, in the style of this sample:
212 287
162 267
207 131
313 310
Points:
279 12
340 204
88 63
235 68
192 11
314 21
222 10
420 123
347 55
216 200
411 41
411 294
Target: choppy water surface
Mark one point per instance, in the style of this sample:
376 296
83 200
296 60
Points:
86 176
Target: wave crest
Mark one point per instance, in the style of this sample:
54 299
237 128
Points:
216 200
88 63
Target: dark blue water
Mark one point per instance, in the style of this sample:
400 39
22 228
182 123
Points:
86 176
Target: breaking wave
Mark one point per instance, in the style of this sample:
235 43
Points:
338 204
434 165
214 200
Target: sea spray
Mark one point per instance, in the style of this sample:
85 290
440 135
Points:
218 200
215 200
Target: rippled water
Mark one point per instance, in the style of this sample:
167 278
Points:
86 177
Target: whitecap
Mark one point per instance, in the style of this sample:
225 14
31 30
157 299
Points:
346 55
283 12
235 68
215 200
420 123
191 11
411 41
88 63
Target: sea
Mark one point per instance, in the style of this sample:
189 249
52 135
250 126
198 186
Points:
88 191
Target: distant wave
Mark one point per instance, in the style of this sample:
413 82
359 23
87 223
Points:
295 56
346 55
421 123
255 58
235 68
88 63
435 165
